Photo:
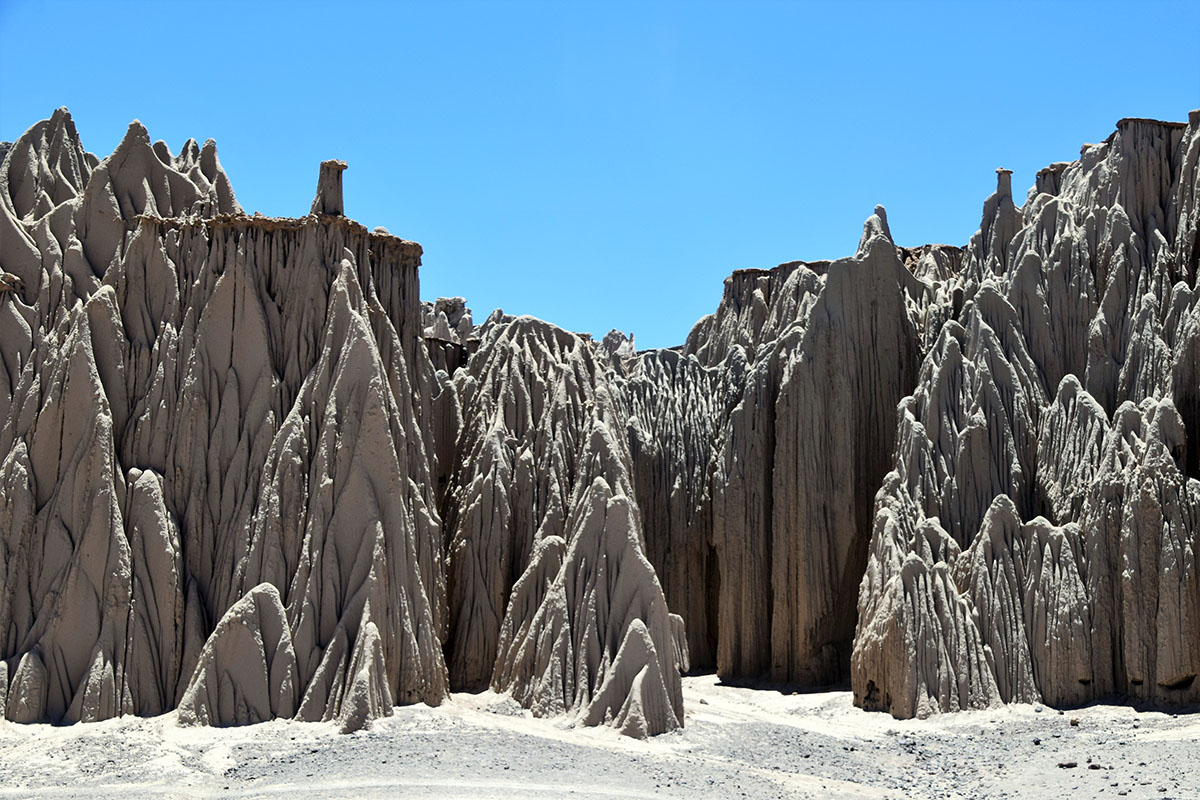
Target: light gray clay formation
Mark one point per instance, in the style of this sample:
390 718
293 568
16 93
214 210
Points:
246 473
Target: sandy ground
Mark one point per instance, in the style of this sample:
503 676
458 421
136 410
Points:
737 743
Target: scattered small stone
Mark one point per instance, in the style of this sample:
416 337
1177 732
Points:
1074 721
1068 764
1037 741
1095 766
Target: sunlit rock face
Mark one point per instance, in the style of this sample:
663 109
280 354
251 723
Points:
1036 537
760 446
551 596
228 454
216 484
247 474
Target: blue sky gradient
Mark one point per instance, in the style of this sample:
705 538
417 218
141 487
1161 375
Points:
608 165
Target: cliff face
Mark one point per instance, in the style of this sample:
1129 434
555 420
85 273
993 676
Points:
215 486
551 595
229 453
765 440
247 474
1036 539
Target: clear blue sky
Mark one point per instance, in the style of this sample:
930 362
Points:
608 165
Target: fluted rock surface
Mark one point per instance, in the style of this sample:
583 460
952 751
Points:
1036 539
216 485
247 474
760 445
551 596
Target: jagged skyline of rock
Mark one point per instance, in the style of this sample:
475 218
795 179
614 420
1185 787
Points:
506 153
249 474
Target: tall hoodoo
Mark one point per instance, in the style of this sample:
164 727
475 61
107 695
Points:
329 189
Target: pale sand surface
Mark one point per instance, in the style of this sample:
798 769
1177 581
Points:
737 743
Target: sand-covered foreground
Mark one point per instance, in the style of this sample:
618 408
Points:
736 743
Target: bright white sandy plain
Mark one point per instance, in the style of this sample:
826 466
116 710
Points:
737 743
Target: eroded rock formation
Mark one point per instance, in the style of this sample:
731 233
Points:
547 576
230 442
760 446
216 484
1036 538
248 474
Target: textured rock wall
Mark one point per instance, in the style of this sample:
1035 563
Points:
1036 537
247 474
551 594
231 442
761 444
216 486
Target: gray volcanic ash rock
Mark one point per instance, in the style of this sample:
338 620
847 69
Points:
1036 539
228 452
761 445
248 474
215 439
546 572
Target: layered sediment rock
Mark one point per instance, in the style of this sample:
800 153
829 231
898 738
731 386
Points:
230 442
761 444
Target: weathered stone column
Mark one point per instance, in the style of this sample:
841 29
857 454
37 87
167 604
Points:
329 189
